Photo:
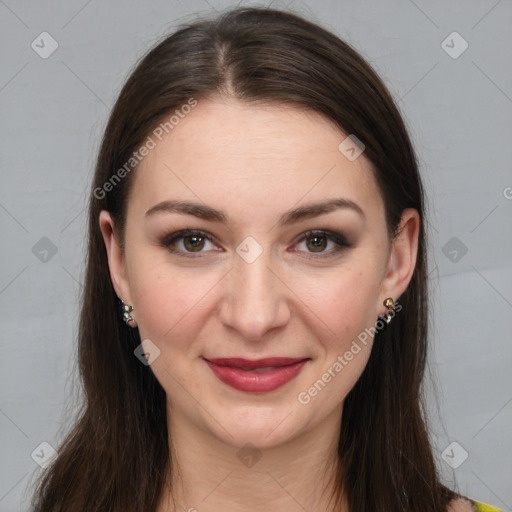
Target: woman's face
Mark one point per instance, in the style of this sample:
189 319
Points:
249 282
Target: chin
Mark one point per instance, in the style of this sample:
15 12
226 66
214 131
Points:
262 427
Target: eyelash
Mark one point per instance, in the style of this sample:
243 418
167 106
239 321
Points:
169 240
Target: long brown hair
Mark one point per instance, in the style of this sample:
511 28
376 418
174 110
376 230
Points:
116 457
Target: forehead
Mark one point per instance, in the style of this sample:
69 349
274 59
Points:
228 152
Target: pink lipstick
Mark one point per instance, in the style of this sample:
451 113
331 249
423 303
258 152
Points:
262 375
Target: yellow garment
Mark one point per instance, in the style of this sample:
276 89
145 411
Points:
482 507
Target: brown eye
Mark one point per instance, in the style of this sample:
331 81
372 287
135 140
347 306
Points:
188 243
316 243
193 243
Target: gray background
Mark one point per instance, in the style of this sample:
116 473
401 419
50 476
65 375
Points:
459 113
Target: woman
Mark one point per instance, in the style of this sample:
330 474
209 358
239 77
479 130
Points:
257 212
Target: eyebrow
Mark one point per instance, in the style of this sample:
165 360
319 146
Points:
211 214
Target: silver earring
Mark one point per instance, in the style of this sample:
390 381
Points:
390 313
126 310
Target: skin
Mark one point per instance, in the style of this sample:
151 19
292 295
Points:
461 505
255 162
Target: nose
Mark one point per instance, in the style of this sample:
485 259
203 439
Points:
256 298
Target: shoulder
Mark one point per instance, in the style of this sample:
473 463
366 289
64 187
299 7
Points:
467 505
461 505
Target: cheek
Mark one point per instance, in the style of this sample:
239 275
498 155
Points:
341 310
168 305
341 316
164 298
343 303
170 312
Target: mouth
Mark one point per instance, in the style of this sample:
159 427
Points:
262 375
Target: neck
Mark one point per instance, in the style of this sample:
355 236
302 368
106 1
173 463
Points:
208 475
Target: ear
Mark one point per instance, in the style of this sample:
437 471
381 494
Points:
402 259
116 259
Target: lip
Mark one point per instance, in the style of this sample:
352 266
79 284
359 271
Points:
233 372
